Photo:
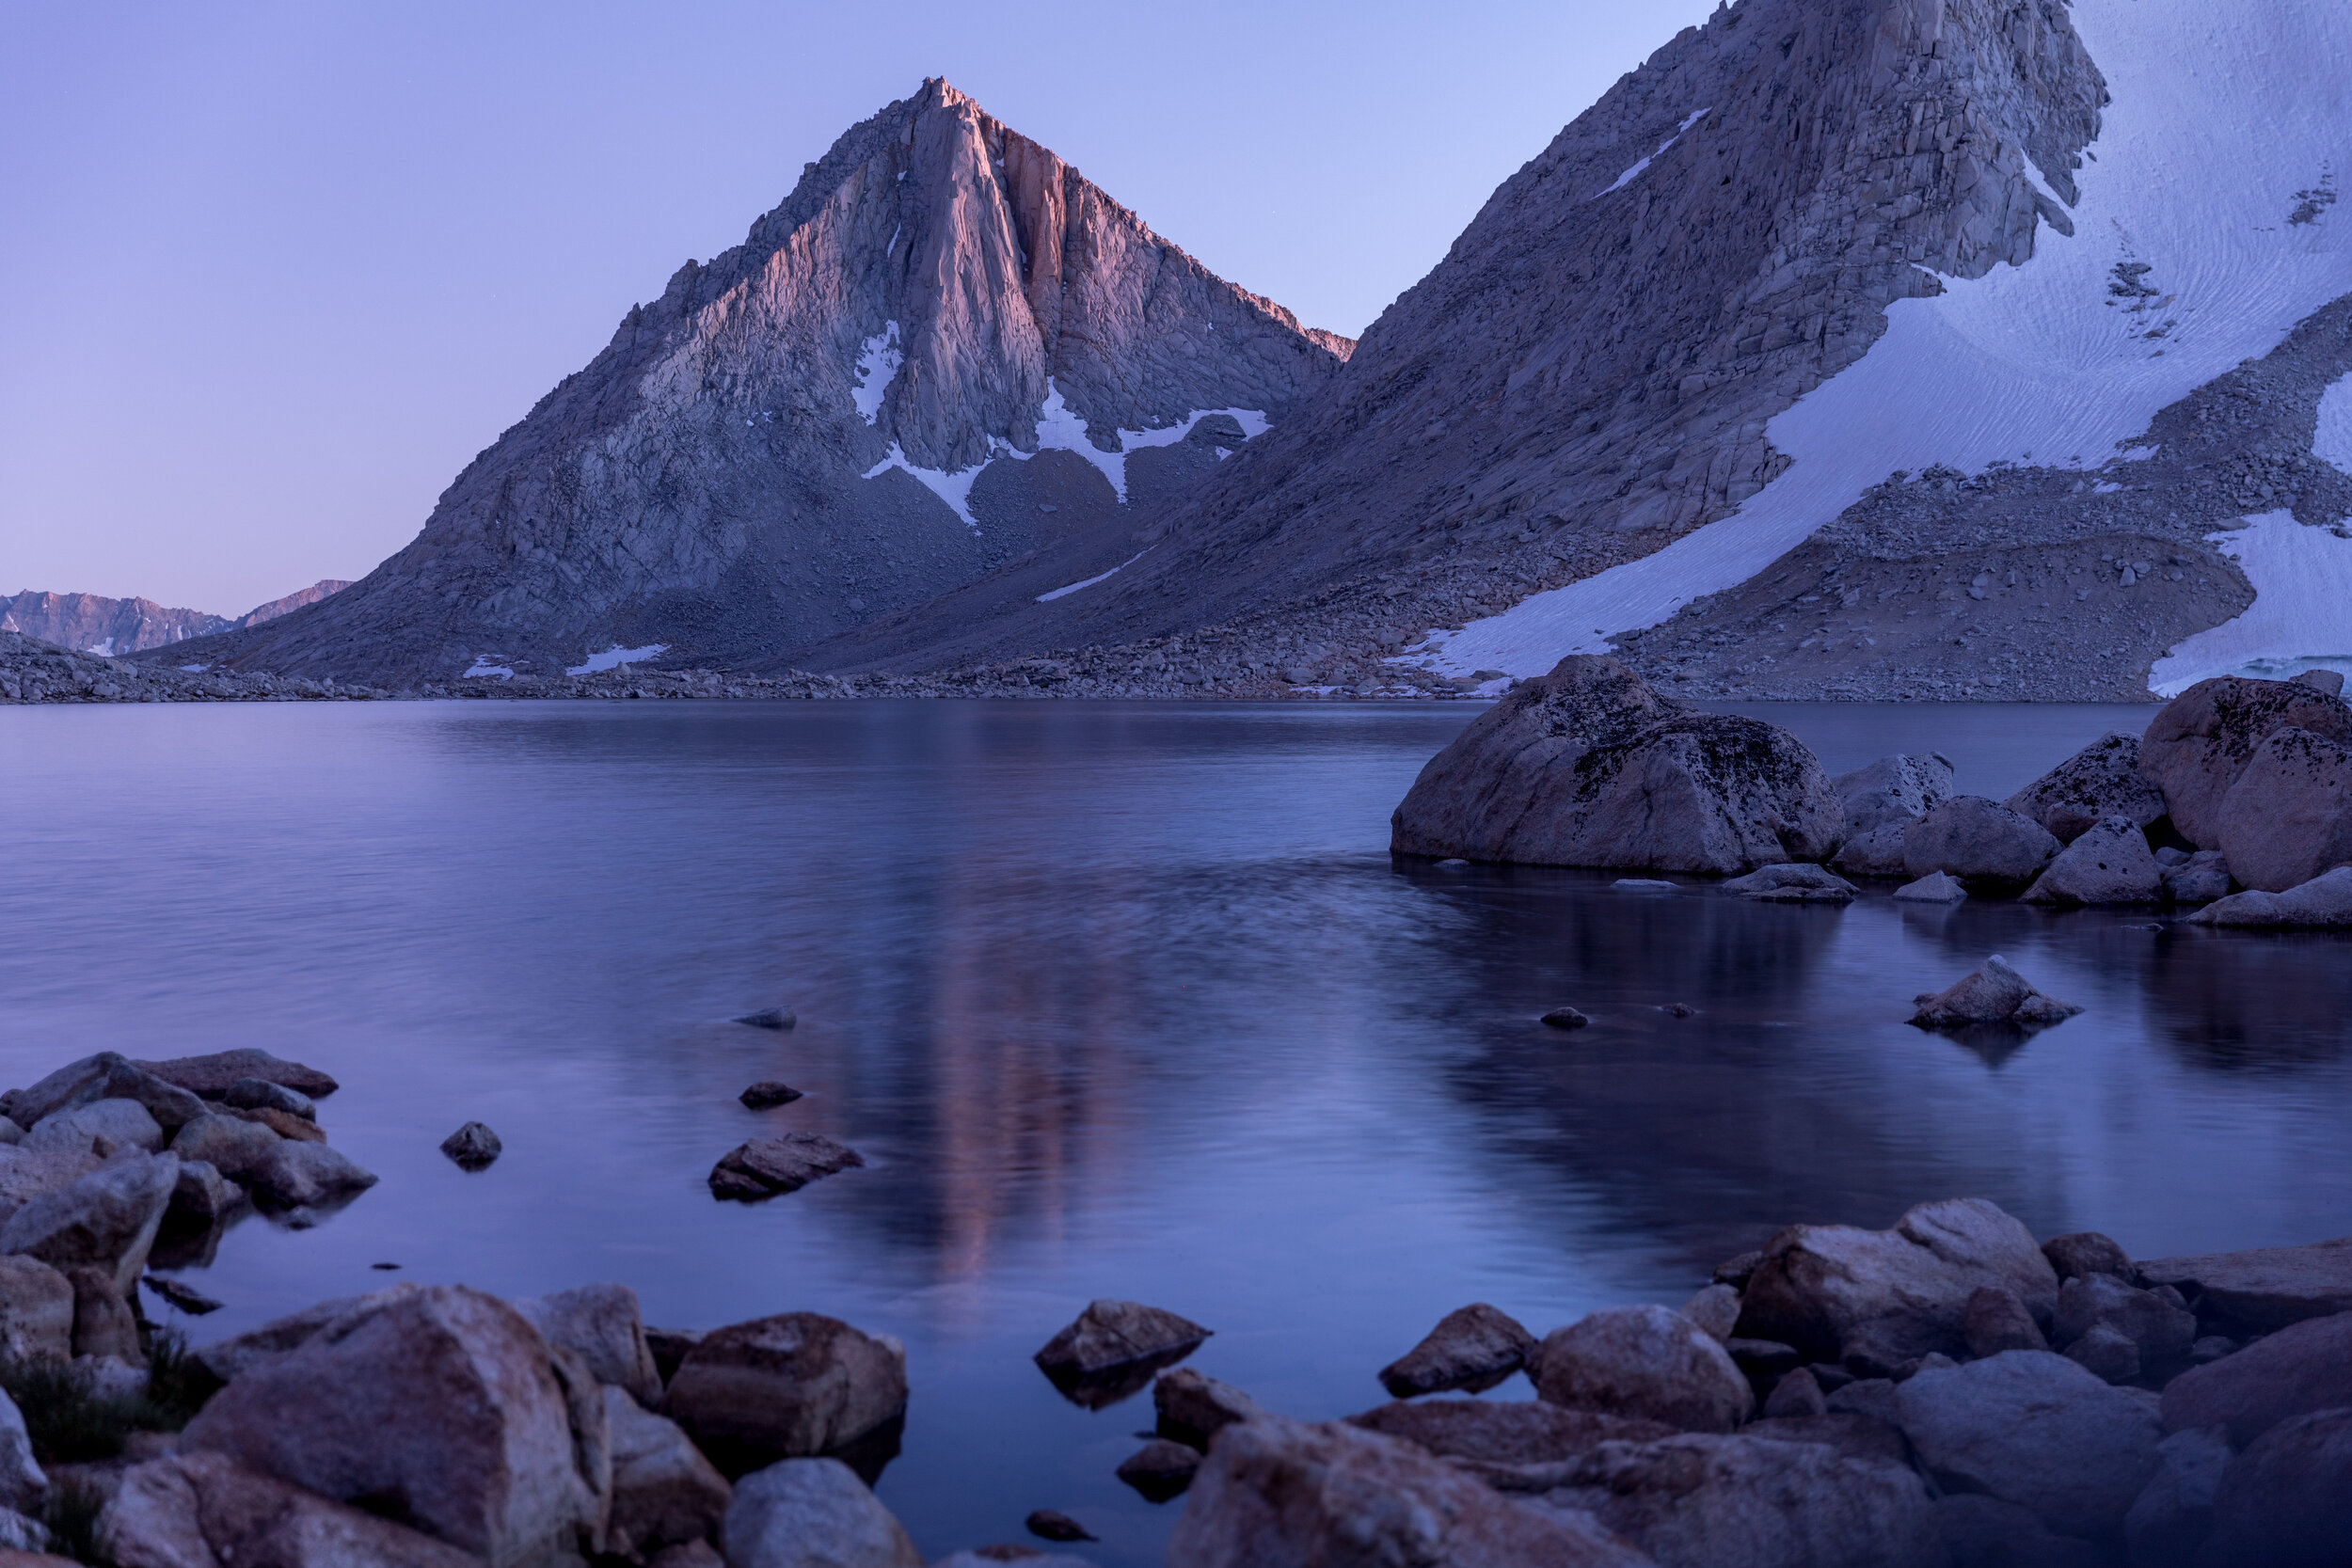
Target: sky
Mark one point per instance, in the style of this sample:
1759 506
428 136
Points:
275 270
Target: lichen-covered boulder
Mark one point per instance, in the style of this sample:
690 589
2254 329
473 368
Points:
1588 766
2289 817
1893 790
2202 740
2322 904
1989 847
2109 862
2102 780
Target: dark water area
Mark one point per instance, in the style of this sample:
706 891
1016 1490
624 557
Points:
1117 1000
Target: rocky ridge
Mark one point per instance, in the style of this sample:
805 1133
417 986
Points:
108 628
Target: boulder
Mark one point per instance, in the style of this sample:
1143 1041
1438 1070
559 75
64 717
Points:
1193 1409
2302 1368
2101 781
1564 1018
22 1484
1473 1347
260 1093
2200 878
11 1133
2329 681
767 1093
1505 1441
1277 1491
2201 741
186 1297
1793 885
215 1076
36 1312
2033 1428
1897 1294
1936 887
789 1387
1996 1318
2286 1502
702 1554
107 1218
765 1167
2289 815
1892 792
664 1492
1876 854
1985 1532
1715 1309
2087 1252
1049 1524
2322 904
1856 1436
200 1197
2174 1512
600 1323
1587 767
1708 1501
108 1075
436 1406
770 1017
2109 862
284 1123
101 1128
2158 1328
2106 1352
103 1324
228 1359
236 1147
1994 994
1111 1334
1646 1362
206 1511
2262 1289
812 1514
1160 1469
473 1147
301 1175
1796 1395
1991 848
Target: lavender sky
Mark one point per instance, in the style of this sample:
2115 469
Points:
276 271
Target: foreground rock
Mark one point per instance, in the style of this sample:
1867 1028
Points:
812 1514
206 1511
1508 1442
214 1076
1587 767
2303 1368
767 1167
2200 742
2322 904
664 1492
108 1075
2288 818
1644 1362
602 1325
439 1399
1473 1348
2033 1428
1276 1491
1991 848
2109 862
790 1386
1793 885
1161 1469
1883 1297
2286 1502
307 1176
107 1219
1996 994
2101 781
1114 1346
1194 1409
36 1312
2263 1288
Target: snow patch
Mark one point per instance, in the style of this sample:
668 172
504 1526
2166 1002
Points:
103 648
195 669
2302 617
2332 441
1636 171
2219 114
954 488
1099 577
482 669
878 363
613 658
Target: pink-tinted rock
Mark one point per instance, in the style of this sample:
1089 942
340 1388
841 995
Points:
2289 817
2264 1288
2200 742
793 1385
2302 1368
1472 1347
206 1511
1644 1362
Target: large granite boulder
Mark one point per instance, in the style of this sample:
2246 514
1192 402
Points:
1892 790
1193 1409
206 1511
2101 781
1888 1296
2201 741
2109 862
790 1386
1277 1491
2157 1329
1472 1347
2322 904
1587 767
108 1075
1697 1500
2289 815
1507 1441
812 1514
306 1175
212 1076
2262 1289
2034 1428
1991 848
601 1324
1644 1362
107 1219
2286 1502
2302 1368
230 1145
664 1492
441 1407
36 1312
101 1126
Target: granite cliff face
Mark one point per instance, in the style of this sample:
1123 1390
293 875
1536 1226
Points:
945 349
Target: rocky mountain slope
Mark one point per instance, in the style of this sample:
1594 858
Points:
944 350
108 628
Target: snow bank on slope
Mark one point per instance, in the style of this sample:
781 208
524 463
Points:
1638 168
2302 617
878 363
482 669
1070 587
614 657
2221 115
2332 441
954 487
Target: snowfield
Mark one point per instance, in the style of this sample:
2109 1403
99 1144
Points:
2302 617
2332 441
2221 114
614 657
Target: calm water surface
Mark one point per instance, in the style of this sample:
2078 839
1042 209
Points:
1117 1000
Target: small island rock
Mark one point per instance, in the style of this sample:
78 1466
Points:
765 1167
473 1147
1995 993
1472 1348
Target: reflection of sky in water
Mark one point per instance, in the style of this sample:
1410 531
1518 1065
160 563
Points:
1118 1001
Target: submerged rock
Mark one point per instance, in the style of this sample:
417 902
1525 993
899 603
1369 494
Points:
1566 1017
2200 742
1995 993
2102 780
774 1018
2109 862
1048 1524
1793 885
1587 767
2322 904
1646 1362
1991 848
2288 817
766 1093
473 1147
1473 1347
766 1167
1936 887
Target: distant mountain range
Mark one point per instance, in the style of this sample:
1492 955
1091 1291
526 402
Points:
90 624
1886 348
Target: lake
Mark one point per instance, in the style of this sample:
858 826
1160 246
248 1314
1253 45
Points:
1117 1000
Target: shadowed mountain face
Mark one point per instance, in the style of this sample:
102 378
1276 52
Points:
918 367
